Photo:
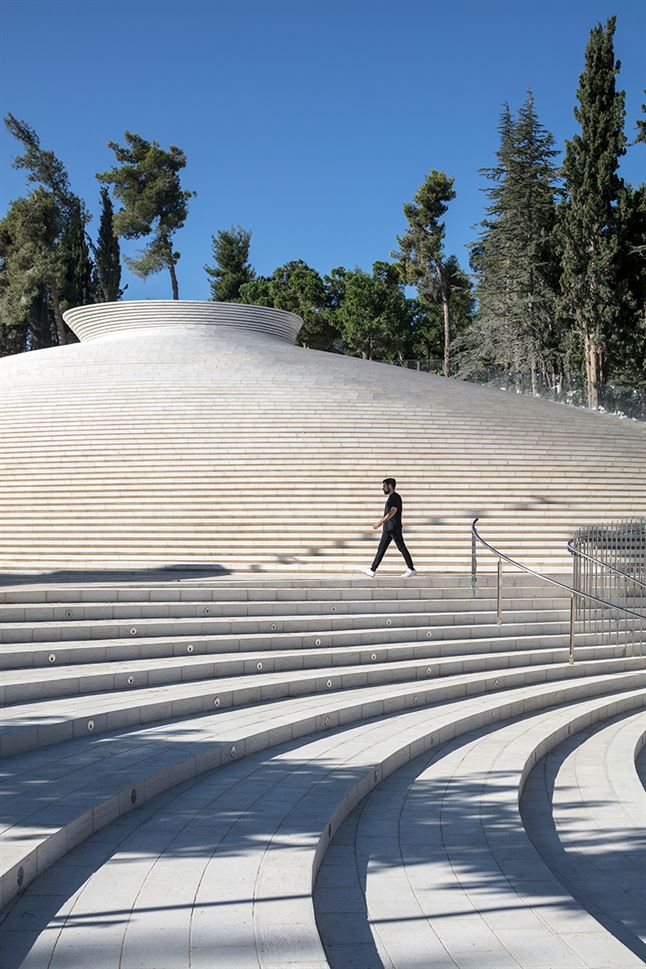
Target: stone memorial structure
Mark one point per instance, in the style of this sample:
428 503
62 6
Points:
258 760
197 434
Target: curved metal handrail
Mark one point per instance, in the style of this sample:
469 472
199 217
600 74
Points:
574 593
584 555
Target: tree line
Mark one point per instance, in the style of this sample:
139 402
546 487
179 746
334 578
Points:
557 281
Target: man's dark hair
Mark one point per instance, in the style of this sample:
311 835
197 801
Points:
390 481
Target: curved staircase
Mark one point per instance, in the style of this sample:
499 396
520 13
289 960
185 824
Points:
300 773
180 434
222 749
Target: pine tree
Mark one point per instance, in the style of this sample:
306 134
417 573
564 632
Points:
146 182
231 268
421 249
107 255
515 261
38 230
641 126
375 316
588 224
298 288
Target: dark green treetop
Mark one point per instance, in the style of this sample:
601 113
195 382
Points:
421 248
515 258
231 269
47 247
42 166
146 182
588 225
641 125
78 287
375 315
107 255
298 288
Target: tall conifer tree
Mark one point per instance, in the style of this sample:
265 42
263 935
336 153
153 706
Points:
78 283
107 254
514 259
588 224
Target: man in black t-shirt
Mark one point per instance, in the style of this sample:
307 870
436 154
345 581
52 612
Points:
391 522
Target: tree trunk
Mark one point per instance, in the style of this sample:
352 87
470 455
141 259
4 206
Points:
593 369
447 323
173 277
58 316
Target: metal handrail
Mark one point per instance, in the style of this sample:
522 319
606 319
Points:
574 593
604 565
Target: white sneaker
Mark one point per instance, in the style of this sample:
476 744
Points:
408 574
368 572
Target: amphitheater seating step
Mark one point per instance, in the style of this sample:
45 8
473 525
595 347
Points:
130 762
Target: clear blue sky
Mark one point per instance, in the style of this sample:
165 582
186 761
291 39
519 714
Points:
309 122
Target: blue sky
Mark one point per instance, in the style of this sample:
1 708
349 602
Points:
309 122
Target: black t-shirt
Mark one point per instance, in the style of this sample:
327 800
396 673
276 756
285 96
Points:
393 524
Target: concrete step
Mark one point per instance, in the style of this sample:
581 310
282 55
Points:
283 864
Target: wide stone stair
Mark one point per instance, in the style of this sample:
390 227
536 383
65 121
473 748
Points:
309 772
196 435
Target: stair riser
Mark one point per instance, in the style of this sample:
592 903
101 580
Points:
371 673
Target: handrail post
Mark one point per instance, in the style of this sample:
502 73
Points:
474 560
572 625
499 595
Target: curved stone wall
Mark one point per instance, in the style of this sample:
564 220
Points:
197 434
107 319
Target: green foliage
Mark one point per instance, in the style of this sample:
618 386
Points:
427 338
42 167
421 248
231 269
146 182
641 126
626 343
34 262
298 288
44 248
588 225
376 318
515 259
107 255
78 284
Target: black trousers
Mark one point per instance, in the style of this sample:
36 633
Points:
386 539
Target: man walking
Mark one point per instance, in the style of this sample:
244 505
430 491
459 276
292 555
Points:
392 530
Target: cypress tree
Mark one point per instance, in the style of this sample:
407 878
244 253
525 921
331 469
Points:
78 285
588 225
107 255
231 269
